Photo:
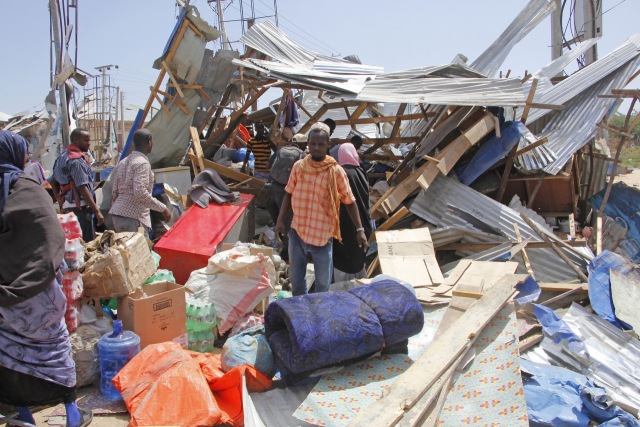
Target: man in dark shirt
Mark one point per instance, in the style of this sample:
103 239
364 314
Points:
72 183
260 146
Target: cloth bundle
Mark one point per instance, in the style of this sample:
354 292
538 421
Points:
311 333
208 187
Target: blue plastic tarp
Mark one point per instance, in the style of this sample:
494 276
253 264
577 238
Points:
491 151
561 398
600 284
623 205
528 291
136 125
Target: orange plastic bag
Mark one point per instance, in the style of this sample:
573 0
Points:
227 388
164 385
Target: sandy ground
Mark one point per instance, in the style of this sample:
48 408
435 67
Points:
632 179
116 420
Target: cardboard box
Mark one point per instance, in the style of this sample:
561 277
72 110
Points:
253 251
160 317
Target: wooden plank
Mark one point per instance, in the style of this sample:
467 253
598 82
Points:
557 250
535 190
359 110
396 126
523 251
166 110
469 138
296 101
527 108
406 391
520 152
276 120
195 139
529 342
507 172
615 129
598 235
467 294
233 174
195 30
488 245
561 287
390 222
172 77
370 120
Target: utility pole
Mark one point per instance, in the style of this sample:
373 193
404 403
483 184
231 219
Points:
225 39
122 119
104 69
115 122
556 31
57 42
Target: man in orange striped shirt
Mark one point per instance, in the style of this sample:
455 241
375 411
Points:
316 187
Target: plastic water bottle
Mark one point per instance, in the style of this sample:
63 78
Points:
74 254
116 350
72 316
72 286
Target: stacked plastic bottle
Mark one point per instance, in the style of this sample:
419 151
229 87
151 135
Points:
72 280
201 319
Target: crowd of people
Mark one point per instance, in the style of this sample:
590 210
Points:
318 200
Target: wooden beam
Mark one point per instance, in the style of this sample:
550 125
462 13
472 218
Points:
488 245
296 101
197 148
527 107
276 120
358 112
396 127
552 245
172 77
402 212
535 190
626 93
370 120
523 251
166 110
615 129
407 390
233 174
467 294
195 30
507 172
561 287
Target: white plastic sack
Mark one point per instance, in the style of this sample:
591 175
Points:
235 282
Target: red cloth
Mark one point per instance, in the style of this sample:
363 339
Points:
74 152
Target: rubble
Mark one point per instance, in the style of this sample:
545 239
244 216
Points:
493 206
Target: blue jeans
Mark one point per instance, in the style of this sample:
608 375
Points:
299 252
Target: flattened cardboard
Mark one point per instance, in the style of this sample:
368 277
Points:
408 255
160 317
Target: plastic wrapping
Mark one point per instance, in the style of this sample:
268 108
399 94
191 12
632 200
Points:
249 348
70 225
74 254
234 282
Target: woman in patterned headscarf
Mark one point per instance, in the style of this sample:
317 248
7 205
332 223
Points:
36 366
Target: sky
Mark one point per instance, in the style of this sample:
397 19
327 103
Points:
395 35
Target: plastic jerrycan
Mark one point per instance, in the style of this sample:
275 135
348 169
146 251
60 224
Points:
116 350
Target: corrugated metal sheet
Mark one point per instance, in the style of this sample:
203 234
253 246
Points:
346 68
267 38
573 127
443 91
490 61
445 70
4 117
586 77
431 206
556 66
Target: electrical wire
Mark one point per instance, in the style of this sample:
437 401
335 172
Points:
613 7
292 23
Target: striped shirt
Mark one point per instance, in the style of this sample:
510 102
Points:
261 153
78 170
312 213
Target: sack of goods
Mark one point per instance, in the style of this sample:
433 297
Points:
235 282
312 332
120 263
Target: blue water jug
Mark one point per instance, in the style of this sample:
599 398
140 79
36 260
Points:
116 350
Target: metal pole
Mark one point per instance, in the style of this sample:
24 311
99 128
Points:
225 39
556 31
57 42
104 70
122 116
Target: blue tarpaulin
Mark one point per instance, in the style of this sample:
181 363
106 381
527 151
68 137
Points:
136 125
491 151
557 328
528 291
559 397
623 206
600 284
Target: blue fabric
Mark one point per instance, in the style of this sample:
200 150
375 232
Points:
13 149
491 151
623 205
600 284
136 125
554 325
25 415
251 348
299 252
528 291
310 332
559 397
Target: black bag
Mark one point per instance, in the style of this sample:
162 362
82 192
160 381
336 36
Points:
284 159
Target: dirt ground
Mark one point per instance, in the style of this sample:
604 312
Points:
116 420
632 179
